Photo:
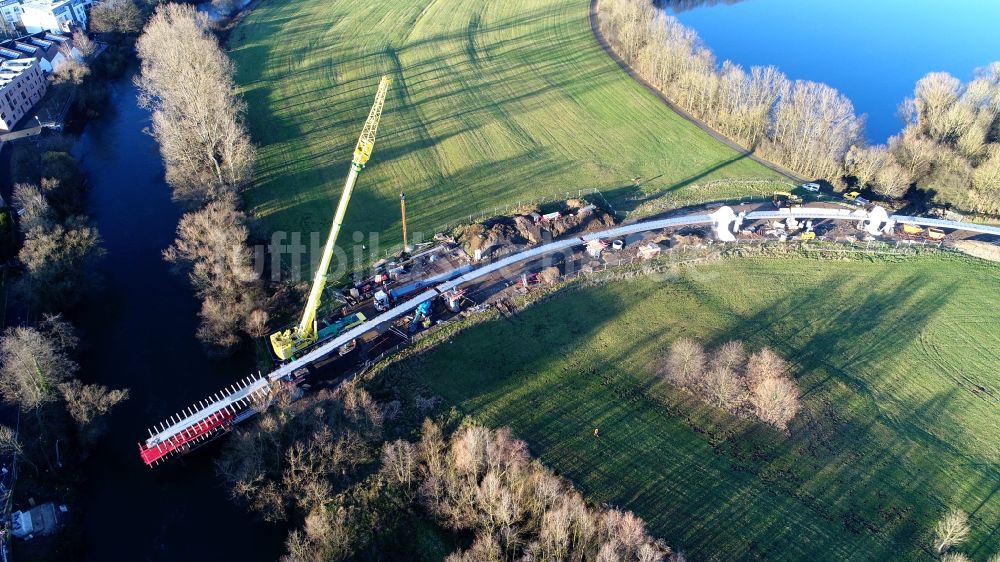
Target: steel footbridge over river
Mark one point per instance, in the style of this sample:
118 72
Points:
219 413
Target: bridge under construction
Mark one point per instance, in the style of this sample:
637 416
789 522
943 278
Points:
219 413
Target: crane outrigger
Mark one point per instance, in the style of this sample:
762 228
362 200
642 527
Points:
287 343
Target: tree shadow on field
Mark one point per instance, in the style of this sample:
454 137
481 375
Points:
857 442
628 197
439 96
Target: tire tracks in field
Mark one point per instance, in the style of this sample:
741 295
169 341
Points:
474 32
434 167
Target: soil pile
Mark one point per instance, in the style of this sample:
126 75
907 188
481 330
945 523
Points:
505 234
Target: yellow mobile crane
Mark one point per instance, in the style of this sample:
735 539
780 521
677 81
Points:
287 343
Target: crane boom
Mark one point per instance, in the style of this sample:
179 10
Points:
286 343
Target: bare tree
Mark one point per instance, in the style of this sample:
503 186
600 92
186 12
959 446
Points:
732 355
986 181
399 462
11 445
776 401
59 262
211 246
187 80
876 167
724 389
685 362
935 94
952 530
116 16
764 364
257 323
83 43
955 557
32 364
70 70
35 211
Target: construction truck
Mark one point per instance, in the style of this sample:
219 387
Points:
422 316
786 200
287 343
333 328
912 231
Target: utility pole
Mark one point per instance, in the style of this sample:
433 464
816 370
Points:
402 209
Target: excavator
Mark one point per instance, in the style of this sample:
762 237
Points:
287 343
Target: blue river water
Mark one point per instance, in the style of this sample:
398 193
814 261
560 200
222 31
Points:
873 51
140 334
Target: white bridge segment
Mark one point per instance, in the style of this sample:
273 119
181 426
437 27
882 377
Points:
250 388
235 397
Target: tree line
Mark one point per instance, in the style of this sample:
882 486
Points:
55 270
198 119
328 462
951 139
748 385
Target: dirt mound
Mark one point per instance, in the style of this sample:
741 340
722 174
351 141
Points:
528 229
691 239
586 219
549 275
504 234
975 248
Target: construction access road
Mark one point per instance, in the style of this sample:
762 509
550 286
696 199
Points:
238 397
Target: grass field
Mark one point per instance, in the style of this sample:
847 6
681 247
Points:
493 102
898 363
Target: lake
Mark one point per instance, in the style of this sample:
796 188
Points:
873 51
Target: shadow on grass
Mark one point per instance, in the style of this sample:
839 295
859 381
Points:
849 483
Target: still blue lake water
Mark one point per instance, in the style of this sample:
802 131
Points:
873 51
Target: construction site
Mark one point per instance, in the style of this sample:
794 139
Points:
344 328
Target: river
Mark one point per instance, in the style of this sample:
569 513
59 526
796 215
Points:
872 51
139 334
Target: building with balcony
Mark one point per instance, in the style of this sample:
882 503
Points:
22 85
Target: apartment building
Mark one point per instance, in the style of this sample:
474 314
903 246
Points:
10 10
22 85
53 15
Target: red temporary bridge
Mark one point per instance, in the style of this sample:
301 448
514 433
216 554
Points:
206 420
186 439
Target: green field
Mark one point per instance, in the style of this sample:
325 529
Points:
897 361
493 102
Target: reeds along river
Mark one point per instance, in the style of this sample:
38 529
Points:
873 52
140 334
